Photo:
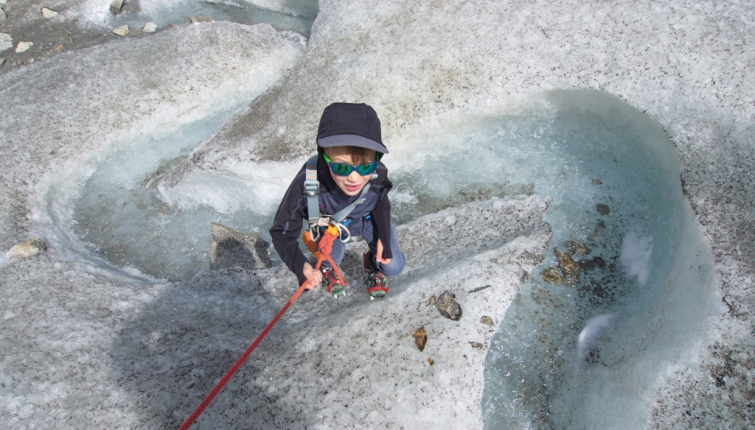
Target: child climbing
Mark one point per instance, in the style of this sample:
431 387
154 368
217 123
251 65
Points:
345 186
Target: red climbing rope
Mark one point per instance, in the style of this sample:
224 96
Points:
325 246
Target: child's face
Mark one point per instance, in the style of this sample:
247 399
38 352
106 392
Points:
352 184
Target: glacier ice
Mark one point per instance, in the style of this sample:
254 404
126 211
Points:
72 325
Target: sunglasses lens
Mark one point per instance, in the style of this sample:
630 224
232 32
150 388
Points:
341 169
366 169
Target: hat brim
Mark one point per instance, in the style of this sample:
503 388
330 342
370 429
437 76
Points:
351 140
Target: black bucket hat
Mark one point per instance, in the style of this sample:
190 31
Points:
349 124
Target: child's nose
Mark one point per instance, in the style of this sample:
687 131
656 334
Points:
354 176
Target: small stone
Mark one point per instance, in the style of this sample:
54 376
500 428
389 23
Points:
420 338
577 248
2 61
231 248
598 226
6 42
149 27
592 263
196 19
432 301
476 345
603 209
552 276
448 306
474 290
2 15
597 181
486 320
568 265
431 361
121 31
23 46
60 48
48 13
116 6
27 249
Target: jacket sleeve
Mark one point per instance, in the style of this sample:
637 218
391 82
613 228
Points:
382 214
287 227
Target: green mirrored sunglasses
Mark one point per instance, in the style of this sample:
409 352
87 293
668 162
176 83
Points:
344 169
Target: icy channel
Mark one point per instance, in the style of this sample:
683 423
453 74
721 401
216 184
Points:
283 15
589 353
119 215
563 353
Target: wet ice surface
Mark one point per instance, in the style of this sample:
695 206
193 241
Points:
88 347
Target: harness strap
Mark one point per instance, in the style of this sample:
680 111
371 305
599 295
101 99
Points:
311 187
343 213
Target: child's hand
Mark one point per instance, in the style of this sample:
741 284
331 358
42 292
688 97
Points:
379 254
313 276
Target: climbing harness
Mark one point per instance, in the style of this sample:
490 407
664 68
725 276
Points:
324 248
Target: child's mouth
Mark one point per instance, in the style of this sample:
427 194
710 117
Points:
352 187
